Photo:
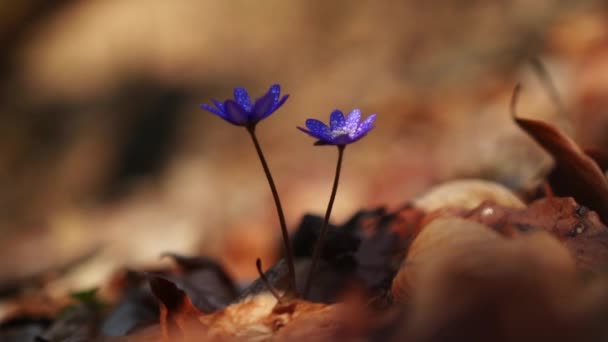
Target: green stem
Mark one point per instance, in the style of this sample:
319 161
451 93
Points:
316 255
277 202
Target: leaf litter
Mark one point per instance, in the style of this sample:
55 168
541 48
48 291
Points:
467 260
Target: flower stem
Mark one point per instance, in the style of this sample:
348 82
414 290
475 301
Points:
316 255
277 202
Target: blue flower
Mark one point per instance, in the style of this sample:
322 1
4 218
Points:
341 131
242 112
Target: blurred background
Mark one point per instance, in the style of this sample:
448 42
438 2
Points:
106 160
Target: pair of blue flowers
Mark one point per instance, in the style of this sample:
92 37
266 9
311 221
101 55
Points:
241 111
341 131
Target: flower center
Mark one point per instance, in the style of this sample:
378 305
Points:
338 133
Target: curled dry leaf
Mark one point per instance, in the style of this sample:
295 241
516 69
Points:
134 306
349 320
575 173
246 320
366 250
579 228
436 240
407 221
256 318
38 305
204 280
466 194
177 313
80 323
261 318
600 157
466 282
276 276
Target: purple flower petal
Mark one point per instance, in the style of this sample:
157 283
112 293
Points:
306 131
242 98
280 103
319 142
274 108
352 121
342 140
241 111
263 106
318 129
268 103
336 120
219 105
368 123
212 110
341 131
275 90
221 114
366 126
235 113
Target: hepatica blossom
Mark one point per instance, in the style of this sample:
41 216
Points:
341 131
241 111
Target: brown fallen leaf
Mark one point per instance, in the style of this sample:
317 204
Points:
600 157
39 305
131 303
456 197
256 318
367 250
260 318
579 228
351 319
466 194
574 174
204 280
407 221
434 237
177 313
465 282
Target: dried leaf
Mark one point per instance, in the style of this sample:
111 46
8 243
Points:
468 283
80 324
574 174
600 157
438 238
176 310
381 251
310 321
367 249
466 194
340 240
136 307
262 318
579 228
277 277
136 310
205 281
407 222
23 329
256 318
243 320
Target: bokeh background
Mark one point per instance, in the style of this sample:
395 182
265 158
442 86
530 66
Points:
106 160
